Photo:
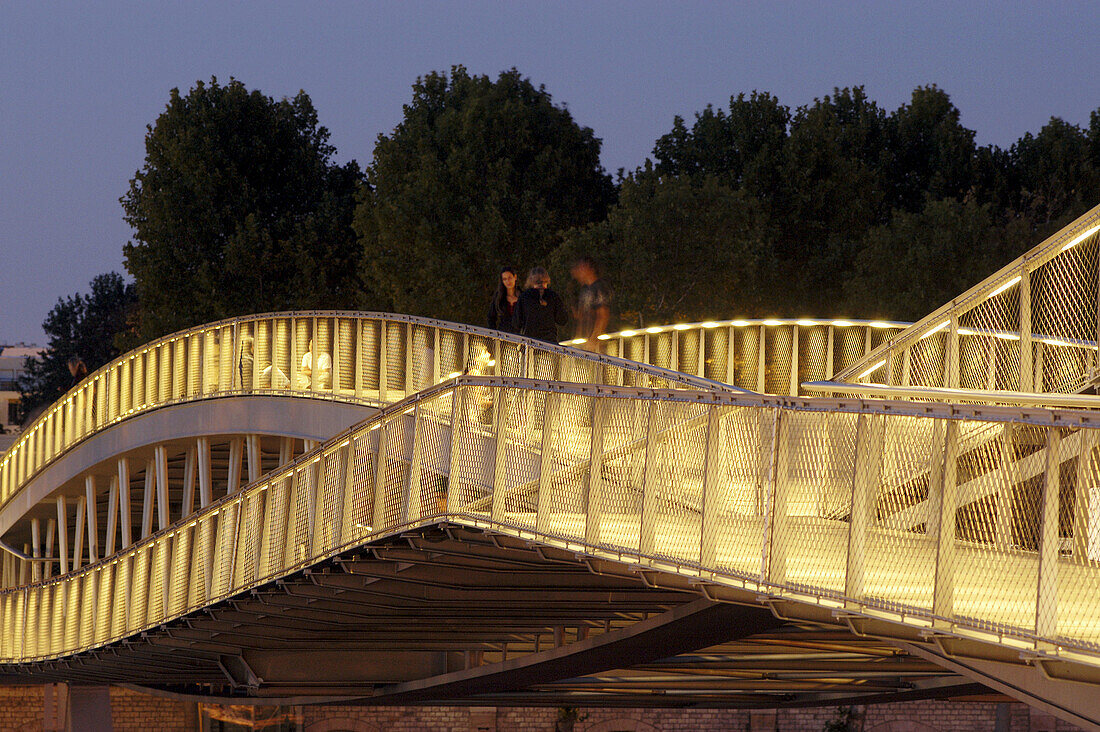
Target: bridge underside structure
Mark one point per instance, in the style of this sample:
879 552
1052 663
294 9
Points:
442 514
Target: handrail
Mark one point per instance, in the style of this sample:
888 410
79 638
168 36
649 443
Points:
765 355
1039 300
1009 398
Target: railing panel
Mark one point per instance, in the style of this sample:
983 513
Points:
616 483
70 611
120 603
139 587
105 592
225 546
899 564
428 488
820 449
87 607
358 514
680 433
182 552
329 501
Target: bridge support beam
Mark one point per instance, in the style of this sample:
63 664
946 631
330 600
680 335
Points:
233 479
124 502
78 534
1036 685
36 549
252 445
112 517
51 530
206 478
160 458
92 508
190 475
62 535
147 498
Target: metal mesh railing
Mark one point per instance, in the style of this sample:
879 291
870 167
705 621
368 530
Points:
372 358
1030 327
929 515
772 356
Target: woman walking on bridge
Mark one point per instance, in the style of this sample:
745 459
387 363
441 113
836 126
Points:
502 308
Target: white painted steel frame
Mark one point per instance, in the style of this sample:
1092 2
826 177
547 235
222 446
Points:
235 543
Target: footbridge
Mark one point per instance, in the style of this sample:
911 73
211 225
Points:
324 506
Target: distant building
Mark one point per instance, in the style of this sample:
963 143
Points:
12 360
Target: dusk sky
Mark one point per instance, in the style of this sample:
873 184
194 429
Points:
79 82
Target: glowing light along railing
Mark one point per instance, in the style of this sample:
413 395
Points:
1030 327
806 503
376 358
771 355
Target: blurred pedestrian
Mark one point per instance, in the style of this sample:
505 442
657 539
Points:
593 311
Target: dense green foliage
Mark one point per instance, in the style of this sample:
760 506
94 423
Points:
238 209
842 208
673 247
838 207
82 326
478 174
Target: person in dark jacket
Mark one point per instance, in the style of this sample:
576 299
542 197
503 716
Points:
502 308
540 311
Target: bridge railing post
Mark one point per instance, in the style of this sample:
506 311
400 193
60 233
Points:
593 483
943 504
1046 607
866 478
776 494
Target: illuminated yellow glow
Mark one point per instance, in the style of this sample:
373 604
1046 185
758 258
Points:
1057 342
680 326
879 324
873 369
740 323
843 323
454 374
807 322
1014 281
577 341
967 331
654 329
935 330
1007 336
603 337
628 333
492 362
773 322
708 324
1081 237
